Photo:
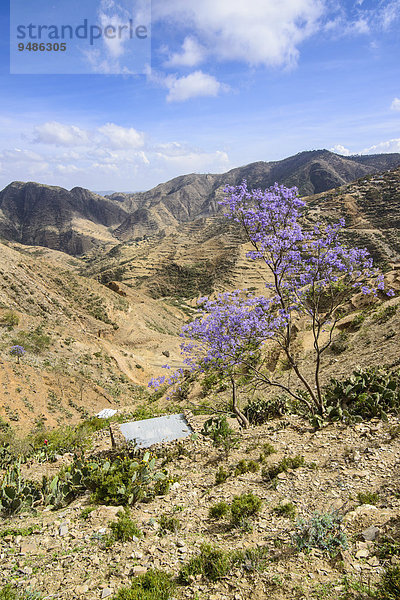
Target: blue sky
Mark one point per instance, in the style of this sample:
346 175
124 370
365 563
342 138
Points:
229 82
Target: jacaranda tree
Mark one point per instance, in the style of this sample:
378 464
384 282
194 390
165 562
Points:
310 275
17 351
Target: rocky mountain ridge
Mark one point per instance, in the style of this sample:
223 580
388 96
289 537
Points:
78 220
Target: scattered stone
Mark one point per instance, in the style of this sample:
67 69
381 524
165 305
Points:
138 570
106 592
63 529
370 534
28 547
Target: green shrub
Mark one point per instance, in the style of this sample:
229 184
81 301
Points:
287 510
251 559
218 430
322 531
389 587
212 563
124 481
389 543
366 394
68 484
161 488
357 321
284 465
10 319
219 510
23 531
169 524
260 410
85 513
221 476
268 449
10 593
34 341
388 547
246 466
368 498
124 529
243 507
385 313
153 585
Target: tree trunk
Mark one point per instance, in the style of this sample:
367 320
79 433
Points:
243 421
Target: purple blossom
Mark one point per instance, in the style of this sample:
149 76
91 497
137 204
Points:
311 273
17 351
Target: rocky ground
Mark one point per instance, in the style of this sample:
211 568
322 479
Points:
63 555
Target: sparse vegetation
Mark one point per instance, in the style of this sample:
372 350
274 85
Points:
367 393
261 410
385 313
169 524
219 510
389 586
218 430
211 563
11 593
123 529
153 585
246 466
35 341
221 476
368 497
10 319
289 462
322 531
287 510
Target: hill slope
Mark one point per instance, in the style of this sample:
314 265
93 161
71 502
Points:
189 197
208 254
71 221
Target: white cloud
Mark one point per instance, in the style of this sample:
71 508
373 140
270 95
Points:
193 161
339 149
114 53
109 135
360 26
121 137
390 14
112 15
191 55
265 33
384 147
112 157
193 85
395 104
59 134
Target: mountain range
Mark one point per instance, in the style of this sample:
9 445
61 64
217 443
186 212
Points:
79 220
97 288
